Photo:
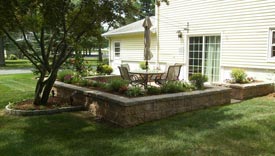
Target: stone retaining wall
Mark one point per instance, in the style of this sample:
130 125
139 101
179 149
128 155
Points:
133 111
246 91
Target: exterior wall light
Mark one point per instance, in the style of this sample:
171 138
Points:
179 32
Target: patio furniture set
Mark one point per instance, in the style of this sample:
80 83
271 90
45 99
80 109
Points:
142 77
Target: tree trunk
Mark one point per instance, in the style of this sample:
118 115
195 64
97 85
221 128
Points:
99 53
2 51
43 87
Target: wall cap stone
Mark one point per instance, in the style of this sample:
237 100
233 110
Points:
127 101
248 85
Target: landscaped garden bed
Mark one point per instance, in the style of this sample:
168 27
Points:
55 105
131 111
250 90
244 87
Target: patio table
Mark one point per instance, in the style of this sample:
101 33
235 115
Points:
147 74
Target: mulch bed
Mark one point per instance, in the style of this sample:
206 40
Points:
53 103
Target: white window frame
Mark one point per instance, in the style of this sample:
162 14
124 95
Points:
270 45
115 52
203 54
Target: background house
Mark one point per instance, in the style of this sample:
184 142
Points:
126 45
216 37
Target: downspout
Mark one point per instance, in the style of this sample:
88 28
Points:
157 3
110 49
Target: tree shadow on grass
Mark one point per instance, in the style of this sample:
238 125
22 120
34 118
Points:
194 133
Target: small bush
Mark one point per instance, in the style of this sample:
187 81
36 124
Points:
188 86
96 84
76 79
13 57
238 75
65 75
68 78
83 82
134 91
198 80
152 90
172 87
107 69
116 85
104 69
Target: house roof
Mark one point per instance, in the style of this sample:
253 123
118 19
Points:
132 28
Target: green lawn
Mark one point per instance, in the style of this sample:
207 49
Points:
21 64
17 64
16 87
245 129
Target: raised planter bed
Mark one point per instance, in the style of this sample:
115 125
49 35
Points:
250 90
133 111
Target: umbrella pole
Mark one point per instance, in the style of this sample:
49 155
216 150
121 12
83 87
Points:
146 65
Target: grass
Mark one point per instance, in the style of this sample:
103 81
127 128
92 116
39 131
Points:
23 64
246 128
17 64
14 88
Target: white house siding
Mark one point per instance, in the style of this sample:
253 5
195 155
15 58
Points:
131 50
243 25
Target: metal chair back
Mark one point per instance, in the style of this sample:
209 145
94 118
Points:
126 65
124 73
173 73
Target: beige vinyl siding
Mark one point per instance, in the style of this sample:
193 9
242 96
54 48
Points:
243 26
132 47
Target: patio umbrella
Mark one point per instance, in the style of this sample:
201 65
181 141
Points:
147 24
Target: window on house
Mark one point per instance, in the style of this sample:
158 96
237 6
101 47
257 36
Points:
272 43
117 49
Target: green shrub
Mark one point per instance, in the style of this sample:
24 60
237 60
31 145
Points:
172 87
83 82
134 91
198 80
107 69
78 64
76 79
152 90
104 69
68 78
117 84
96 84
142 65
13 57
65 75
188 86
238 75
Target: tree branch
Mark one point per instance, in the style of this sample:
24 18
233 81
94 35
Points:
37 58
25 53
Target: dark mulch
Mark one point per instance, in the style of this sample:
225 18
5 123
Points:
53 102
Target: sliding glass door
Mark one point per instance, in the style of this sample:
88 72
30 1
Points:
204 56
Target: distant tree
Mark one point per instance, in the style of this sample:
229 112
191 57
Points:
57 26
2 51
142 8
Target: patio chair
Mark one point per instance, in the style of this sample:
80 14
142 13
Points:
171 75
133 79
126 65
178 64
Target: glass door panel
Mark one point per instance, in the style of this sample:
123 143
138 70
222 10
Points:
204 56
195 55
212 58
